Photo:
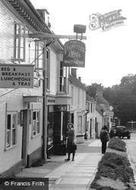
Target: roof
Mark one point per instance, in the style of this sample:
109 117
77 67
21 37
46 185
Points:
99 109
76 82
27 11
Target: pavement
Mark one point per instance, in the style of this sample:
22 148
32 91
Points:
75 175
131 152
78 174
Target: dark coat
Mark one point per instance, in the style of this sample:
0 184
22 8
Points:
71 146
104 136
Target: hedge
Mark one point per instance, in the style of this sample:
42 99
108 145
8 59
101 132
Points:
117 144
114 171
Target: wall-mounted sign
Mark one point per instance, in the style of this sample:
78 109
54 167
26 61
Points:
74 54
16 76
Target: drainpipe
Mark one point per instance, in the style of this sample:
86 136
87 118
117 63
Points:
44 132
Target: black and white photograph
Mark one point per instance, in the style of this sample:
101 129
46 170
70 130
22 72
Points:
67 95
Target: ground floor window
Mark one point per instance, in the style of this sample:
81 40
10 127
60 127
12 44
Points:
35 122
11 130
79 124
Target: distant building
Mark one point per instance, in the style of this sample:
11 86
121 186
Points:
91 117
78 105
105 108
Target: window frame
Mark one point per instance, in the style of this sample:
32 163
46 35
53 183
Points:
36 129
48 68
13 130
19 42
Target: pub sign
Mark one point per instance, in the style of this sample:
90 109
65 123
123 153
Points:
74 54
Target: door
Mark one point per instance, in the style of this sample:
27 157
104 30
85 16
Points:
24 114
90 128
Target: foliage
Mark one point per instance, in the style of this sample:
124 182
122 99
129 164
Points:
117 144
92 89
122 97
113 168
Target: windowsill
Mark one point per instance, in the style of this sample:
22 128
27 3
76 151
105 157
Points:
10 148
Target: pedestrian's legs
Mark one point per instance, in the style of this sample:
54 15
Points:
73 156
104 144
68 156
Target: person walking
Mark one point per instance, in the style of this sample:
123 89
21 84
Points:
70 144
104 137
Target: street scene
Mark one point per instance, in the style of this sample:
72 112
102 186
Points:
78 174
67 95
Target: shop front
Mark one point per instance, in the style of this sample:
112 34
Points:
61 120
57 119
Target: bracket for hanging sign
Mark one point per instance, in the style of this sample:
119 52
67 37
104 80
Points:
43 36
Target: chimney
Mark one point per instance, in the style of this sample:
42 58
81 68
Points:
44 14
74 72
41 13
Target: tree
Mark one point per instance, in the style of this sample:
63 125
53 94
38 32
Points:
123 98
92 89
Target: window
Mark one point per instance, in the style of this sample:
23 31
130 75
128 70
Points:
38 54
35 123
72 94
11 130
19 42
79 97
79 124
91 107
63 74
48 68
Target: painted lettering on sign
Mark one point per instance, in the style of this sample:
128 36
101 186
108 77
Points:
16 76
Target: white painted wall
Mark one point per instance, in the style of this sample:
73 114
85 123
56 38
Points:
53 72
8 157
78 107
12 97
100 121
35 142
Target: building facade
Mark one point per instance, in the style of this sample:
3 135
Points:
91 117
23 127
77 92
34 120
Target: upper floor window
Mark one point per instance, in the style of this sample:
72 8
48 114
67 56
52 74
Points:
11 130
19 42
91 107
48 68
38 57
72 94
63 74
79 97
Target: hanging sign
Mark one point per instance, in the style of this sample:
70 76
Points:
16 76
74 54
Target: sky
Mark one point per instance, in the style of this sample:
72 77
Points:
110 55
